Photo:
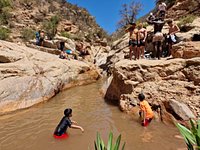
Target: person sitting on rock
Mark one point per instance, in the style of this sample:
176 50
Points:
60 131
172 38
142 36
82 50
133 41
145 110
42 37
37 37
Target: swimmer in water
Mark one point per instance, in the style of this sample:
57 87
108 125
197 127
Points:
60 131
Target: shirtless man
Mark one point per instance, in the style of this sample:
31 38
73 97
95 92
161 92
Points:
142 37
173 29
133 41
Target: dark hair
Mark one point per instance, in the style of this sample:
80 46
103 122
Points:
67 112
169 21
132 23
141 97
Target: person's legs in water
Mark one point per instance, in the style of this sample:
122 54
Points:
146 122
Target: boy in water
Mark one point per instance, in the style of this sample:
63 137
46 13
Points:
60 131
145 110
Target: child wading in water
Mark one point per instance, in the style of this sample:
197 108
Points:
60 131
145 110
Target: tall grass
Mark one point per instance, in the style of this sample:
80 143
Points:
99 144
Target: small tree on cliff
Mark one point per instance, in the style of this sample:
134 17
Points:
129 13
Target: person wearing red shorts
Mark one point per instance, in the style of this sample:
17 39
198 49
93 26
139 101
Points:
60 131
145 110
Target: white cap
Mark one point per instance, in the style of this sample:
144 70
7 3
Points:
164 4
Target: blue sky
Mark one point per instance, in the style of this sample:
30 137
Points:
106 12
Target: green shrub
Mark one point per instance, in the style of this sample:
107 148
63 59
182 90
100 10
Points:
5 15
51 26
192 135
185 20
27 34
4 33
65 34
99 144
5 3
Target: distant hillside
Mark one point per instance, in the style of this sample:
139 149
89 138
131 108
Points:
177 10
19 19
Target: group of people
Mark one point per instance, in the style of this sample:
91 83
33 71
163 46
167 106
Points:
138 35
137 40
81 51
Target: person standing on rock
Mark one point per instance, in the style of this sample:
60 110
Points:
145 110
142 37
60 131
133 41
172 38
158 36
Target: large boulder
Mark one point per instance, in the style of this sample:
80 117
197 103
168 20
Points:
186 50
29 76
181 110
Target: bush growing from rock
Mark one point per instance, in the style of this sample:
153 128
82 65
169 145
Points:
5 3
186 20
65 34
51 26
4 33
27 34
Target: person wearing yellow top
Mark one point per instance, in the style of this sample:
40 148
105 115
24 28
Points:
145 110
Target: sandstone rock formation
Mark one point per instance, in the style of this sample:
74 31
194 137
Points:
183 8
29 76
186 50
161 81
